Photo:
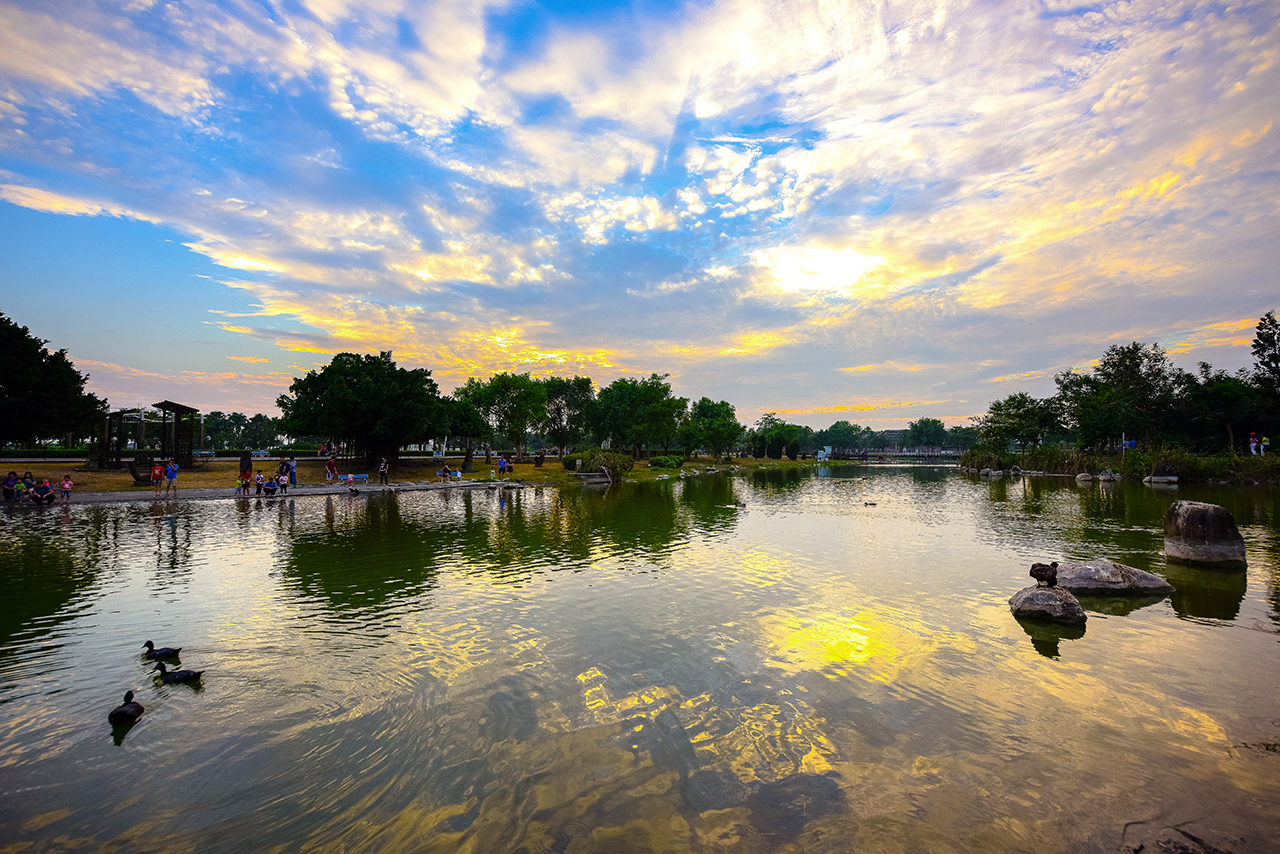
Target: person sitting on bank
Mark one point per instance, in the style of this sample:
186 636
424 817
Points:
42 493
269 487
445 472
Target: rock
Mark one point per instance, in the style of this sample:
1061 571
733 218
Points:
997 473
1107 474
1047 603
1202 533
1160 478
1083 476
1015 470
985 471
1103 577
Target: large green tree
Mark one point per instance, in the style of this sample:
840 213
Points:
569 410
926 433
1018 418
639 413
367 400
517 402
712 425
42 395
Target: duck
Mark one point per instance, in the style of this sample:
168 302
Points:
163 652
1048 574
126 713
169 677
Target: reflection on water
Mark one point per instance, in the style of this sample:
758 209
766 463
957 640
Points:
782 661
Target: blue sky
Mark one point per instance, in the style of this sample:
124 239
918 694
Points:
864 211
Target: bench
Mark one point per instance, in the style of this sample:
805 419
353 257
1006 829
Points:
203 454
452 475
259 453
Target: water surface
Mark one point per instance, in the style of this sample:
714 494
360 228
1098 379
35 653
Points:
644 668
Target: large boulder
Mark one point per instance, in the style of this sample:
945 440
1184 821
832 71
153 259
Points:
1047 603
1103 577
1202 533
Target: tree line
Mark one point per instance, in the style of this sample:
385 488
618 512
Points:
1136 396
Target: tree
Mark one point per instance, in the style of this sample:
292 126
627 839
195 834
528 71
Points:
713 424
261 432
1222 404
1266 354
461 418
926 433
1018 418
1132 392
367 400
962 438
637 413
569 410
516 402
41 393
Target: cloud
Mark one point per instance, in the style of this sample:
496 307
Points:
751 196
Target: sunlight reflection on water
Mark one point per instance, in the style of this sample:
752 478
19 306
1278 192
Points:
647 668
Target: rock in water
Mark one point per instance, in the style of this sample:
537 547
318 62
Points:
1202 533
1103 577
1047 603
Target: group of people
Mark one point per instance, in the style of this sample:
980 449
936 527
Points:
29 488
164 475
286 475
1258 447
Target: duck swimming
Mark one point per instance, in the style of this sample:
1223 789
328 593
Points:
127 713
163 652
169 677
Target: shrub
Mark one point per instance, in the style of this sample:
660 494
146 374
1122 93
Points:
671 462
596 459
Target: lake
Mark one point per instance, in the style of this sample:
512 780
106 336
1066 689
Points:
817 661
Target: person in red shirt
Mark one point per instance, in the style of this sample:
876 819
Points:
157 477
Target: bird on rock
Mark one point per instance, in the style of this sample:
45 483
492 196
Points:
163 652
169 677
128 712
1046 575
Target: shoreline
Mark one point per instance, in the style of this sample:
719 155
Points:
302 491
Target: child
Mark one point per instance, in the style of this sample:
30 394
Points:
66 485
259 480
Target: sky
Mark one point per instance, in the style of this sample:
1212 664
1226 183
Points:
864 211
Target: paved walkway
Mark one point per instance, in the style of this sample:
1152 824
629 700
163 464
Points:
80 498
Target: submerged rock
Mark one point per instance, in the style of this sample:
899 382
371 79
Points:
1202 533
1047 603
1101 576
782 808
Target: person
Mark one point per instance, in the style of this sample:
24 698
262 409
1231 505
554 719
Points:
445 472
65 486
1263 444
1253 444
269 487
330 469
42 492
282 470
382 472
502 465
293 471
157 477
282 481
9 483
259 480
171 478
351 484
